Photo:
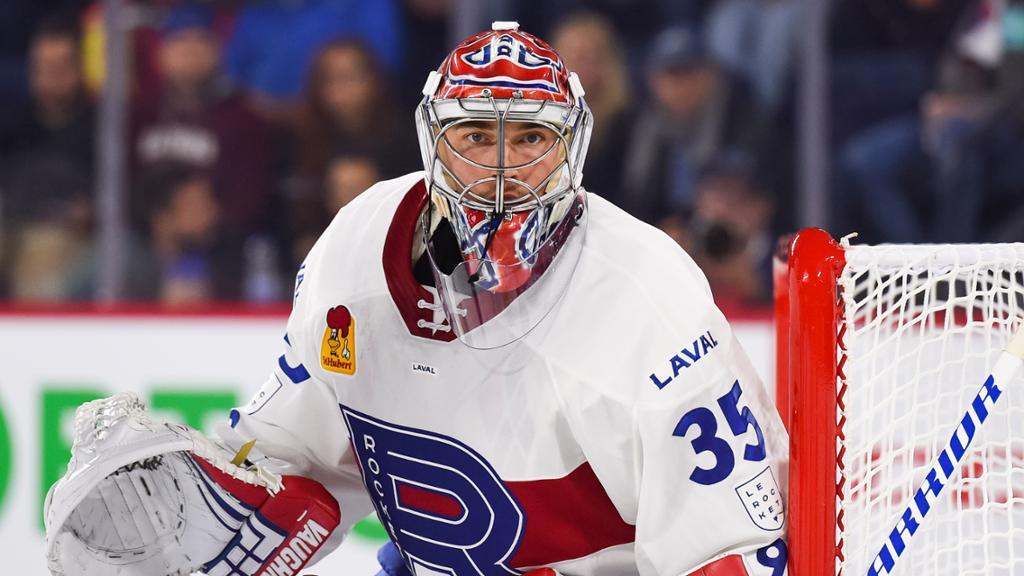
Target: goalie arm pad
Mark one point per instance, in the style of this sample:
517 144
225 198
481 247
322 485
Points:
284 530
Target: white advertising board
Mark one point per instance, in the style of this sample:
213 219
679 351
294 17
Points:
191 368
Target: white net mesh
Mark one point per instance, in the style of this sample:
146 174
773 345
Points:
923 327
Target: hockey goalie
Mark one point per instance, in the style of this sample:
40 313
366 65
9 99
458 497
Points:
510 372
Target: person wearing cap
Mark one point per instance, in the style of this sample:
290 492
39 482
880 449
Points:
698 112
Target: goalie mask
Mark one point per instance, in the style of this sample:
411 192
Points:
503 130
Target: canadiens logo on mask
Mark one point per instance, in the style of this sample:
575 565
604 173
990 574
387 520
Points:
536 71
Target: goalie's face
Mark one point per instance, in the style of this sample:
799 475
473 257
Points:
503 131
519 159
500 170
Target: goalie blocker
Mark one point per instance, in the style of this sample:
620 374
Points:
153 498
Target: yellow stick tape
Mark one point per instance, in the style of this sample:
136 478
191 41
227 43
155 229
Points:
243 453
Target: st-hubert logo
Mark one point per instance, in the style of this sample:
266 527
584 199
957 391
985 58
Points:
338 351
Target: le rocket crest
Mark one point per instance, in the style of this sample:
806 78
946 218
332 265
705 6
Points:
762 499
338 350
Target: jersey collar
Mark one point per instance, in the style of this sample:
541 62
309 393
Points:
405 291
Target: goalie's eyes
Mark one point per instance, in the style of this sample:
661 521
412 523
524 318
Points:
533 138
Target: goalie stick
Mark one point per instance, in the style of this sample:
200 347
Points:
945 466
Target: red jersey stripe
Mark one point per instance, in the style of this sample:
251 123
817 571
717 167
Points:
567 518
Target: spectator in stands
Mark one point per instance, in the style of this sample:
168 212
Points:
46 169
195 260
634 19
348 177
884 58
883 183
274 43
888 172
59 118
49 229
348 108
348 111
200 121
756 40
345 177
698 111
18 26
980 183
589 45
729 234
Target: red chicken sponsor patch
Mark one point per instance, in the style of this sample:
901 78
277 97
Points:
338 350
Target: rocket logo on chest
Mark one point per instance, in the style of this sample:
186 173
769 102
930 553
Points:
449 512
443 505
338 348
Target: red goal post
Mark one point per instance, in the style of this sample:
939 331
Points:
879 349
807 335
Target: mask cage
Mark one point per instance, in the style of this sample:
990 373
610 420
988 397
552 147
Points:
571 124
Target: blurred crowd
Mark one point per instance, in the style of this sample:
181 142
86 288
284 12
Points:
252 122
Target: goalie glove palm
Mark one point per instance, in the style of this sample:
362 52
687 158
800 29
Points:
178 511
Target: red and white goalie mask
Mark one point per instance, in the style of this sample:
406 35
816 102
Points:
504 129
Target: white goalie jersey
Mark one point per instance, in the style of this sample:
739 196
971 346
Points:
627 434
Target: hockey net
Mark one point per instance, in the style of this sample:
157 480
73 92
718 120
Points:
881 351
